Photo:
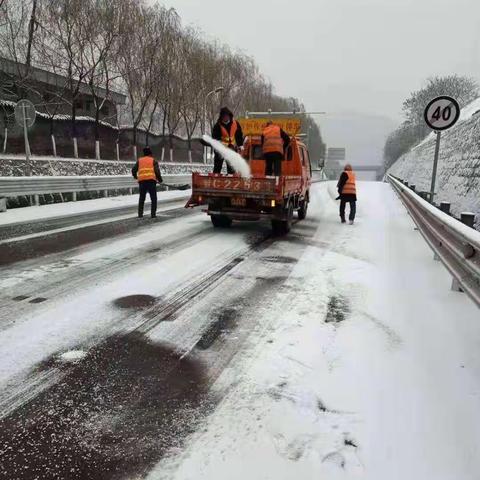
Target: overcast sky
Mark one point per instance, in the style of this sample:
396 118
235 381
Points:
344 56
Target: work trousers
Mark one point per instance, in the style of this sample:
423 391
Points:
218 164
273 163
150 187
353 209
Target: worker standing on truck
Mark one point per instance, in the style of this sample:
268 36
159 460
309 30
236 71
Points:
347 189
147 172
274 143
229 132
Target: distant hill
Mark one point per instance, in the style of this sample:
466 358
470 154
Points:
363 135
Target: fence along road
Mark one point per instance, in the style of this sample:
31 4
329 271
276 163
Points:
455 244
17 186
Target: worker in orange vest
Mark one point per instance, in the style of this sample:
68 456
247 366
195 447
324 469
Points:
229 132
147 172
347 190
274 143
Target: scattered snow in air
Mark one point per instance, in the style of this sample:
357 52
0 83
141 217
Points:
72 356
236 161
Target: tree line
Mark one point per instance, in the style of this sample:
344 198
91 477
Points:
414 129
142 49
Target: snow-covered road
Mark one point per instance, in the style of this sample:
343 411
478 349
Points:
186 352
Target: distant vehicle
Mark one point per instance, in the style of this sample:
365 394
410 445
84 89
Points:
231 197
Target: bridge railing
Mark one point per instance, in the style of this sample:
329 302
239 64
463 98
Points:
455 244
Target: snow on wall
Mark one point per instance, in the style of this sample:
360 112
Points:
458 177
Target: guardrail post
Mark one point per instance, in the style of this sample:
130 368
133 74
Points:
445 207
3 204
37 200
74 196
130 191
456 287
105 193
468 219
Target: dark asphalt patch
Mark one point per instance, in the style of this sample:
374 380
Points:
279 259
338 309
20 298
224 322
135 301
272 280
113 416
38 300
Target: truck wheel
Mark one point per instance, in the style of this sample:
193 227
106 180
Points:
221 221
282 227
302 211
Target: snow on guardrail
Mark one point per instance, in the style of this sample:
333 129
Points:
455 244
16 186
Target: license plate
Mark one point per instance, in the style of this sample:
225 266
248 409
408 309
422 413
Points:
238 202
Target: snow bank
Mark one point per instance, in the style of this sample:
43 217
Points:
458 178
236 161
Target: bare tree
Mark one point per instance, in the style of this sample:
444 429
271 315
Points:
103 40
136 53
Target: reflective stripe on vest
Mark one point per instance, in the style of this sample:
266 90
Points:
228 139
350 187
146 170
272 139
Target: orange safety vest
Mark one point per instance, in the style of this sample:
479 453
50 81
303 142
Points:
350 187
146 170
272 139
228 139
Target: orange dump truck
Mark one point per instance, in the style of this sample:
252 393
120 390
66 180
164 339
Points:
231 197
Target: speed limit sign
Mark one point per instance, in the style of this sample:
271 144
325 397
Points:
442 113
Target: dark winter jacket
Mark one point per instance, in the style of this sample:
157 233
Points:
155 167
348 197
217 131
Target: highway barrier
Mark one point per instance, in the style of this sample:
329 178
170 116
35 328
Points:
34 186
41 185
455 243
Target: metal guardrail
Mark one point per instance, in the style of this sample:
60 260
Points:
456 245
17 186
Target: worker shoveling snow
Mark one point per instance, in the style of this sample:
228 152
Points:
236 161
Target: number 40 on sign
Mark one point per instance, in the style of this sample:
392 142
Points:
440 114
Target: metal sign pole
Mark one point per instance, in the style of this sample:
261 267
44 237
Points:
440 114
435 165
27 145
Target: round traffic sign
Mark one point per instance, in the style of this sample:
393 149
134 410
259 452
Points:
25 112
442 113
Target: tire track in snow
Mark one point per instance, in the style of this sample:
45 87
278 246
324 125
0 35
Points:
78 402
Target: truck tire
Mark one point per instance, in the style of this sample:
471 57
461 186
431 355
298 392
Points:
282 227
221 221
302 211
